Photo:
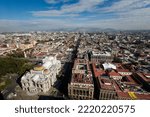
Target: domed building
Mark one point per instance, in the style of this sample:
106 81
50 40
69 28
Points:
42 76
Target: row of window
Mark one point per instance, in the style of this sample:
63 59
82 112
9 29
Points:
81 92
81 97
107 95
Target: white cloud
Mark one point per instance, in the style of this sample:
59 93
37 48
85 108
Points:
56 1
129 14
51 1
51 13
127 5
81 6
143 12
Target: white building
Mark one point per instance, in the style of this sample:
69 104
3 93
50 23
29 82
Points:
42 77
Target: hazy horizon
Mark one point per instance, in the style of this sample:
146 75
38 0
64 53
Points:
51 15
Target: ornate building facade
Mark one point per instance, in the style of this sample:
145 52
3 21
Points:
81 86
42 77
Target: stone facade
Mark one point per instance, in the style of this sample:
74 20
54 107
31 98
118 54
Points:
42 77
81 86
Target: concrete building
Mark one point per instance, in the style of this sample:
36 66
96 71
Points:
107 89
81 86
42 77
144 79
105 85
103 56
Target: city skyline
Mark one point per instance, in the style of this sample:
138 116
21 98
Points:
32 15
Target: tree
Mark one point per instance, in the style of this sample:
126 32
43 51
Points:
13 65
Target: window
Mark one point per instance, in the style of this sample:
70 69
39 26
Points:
83 92
77 92
80 92
87 93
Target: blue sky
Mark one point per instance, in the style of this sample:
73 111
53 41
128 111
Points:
27 15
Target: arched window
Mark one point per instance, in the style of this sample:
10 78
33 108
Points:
87 93
83 92
77 92
80 92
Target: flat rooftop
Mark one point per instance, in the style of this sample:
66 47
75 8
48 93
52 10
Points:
81 72
106 84
82 78
145 77
102 53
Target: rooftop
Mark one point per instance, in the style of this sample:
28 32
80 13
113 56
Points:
97 53
144 77
106 84
129 80
108 66
129 87
133 96
113 73
81 72
82 78
41 70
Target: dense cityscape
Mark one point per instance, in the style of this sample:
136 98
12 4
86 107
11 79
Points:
75 50
75 65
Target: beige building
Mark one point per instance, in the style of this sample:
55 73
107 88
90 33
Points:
81 86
